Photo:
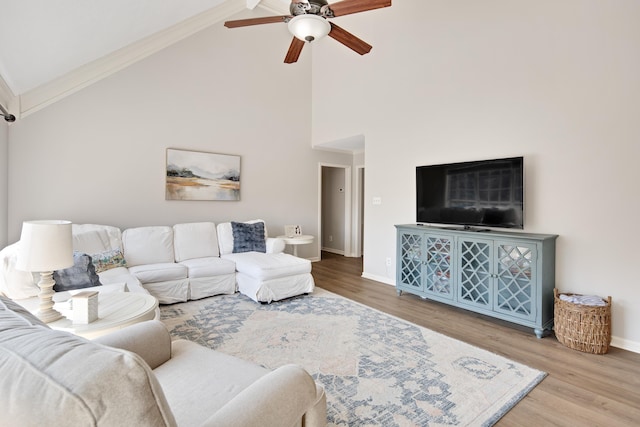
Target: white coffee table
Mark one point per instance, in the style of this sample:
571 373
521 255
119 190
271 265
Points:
303 239
115 311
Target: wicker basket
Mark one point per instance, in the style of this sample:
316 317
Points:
582 327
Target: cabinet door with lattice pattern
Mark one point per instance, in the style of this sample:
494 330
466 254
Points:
438 253
515 282
411 249
475 272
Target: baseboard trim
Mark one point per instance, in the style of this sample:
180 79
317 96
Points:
377 278
625 344
617 342
333 251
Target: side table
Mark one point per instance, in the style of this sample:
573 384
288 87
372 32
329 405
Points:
115 311
303 239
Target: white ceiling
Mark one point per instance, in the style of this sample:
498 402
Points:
52 48
42 40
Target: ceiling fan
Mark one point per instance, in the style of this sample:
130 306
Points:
308 21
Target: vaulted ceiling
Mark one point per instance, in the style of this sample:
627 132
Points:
51 48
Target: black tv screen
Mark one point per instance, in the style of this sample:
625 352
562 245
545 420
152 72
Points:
485 193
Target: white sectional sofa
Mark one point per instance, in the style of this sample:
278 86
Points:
178 263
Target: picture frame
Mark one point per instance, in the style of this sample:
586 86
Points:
292 230
197 175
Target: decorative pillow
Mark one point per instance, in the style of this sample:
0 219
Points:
248 237
107 260
81 275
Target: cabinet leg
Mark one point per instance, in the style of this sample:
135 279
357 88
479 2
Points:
539 332
399 292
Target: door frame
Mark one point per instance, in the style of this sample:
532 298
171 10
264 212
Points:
347 206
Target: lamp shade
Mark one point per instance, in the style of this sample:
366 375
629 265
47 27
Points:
45 246
309 27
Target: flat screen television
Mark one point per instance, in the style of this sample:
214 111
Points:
484 193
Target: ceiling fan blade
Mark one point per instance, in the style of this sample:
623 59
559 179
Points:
294 51
349 40
256 21
347 7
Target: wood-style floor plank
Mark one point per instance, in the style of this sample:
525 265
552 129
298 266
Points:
580 389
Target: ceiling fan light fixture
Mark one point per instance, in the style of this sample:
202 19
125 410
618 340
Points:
309 27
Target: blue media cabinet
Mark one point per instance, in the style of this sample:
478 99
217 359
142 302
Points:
503 274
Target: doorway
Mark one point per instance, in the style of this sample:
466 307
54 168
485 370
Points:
341 210
335 209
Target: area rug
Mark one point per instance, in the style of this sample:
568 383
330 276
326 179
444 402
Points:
377 370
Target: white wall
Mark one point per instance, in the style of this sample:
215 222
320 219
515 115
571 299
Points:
555 82
98 156
4 154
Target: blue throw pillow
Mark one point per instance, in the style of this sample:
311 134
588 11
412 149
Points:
248 237
81 275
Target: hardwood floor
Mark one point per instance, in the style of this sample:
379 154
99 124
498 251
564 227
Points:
580 389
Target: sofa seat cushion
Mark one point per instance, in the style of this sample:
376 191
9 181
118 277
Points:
63 377
269 266
122 275
226 376
208 267
160 272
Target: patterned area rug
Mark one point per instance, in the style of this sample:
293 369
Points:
377 370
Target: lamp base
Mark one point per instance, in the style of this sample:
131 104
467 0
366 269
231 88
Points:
46 312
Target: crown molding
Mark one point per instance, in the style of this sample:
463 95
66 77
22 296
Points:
8 99
47 94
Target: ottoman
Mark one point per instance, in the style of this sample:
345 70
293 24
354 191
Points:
267 277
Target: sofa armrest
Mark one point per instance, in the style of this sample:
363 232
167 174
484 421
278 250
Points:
275 245
279 398
150 340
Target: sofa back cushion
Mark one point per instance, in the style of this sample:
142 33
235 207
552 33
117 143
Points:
50 377
195 240
92 238
14 283
148 245
225 236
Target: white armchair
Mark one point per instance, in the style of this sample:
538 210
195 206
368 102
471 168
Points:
137 376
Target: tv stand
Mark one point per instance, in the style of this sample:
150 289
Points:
504 274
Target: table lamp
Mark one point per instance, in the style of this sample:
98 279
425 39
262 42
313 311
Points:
45 246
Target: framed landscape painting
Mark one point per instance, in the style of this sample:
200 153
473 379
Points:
194 175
